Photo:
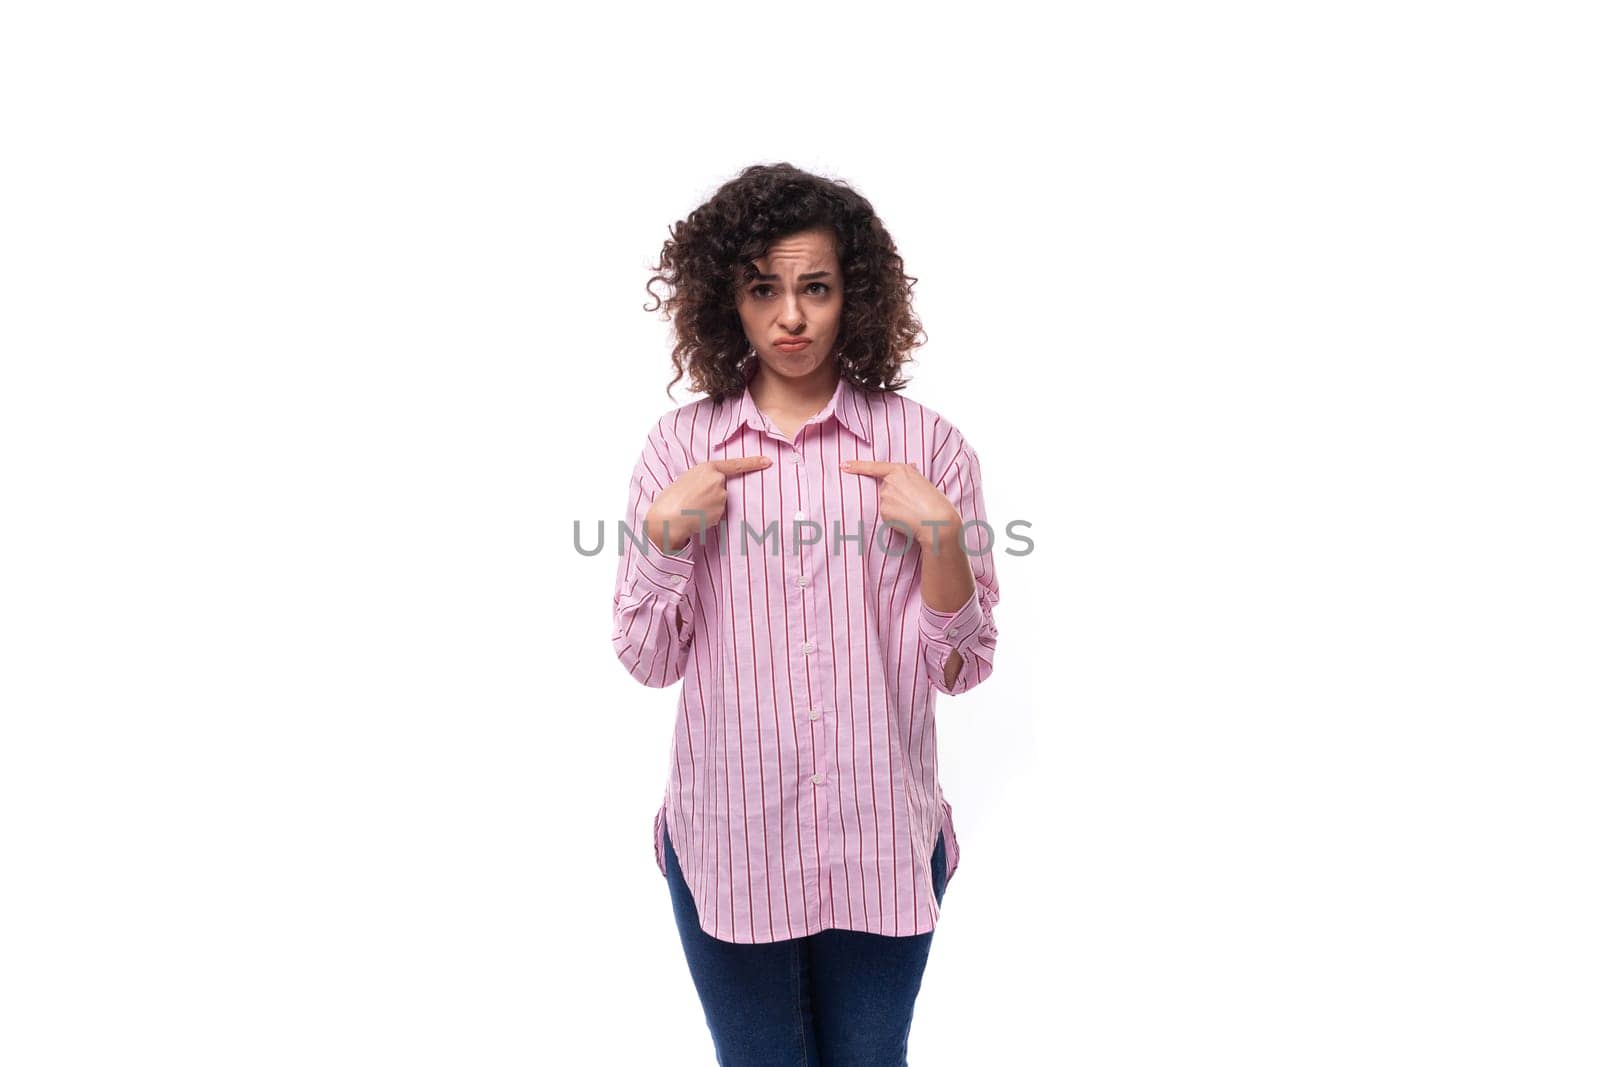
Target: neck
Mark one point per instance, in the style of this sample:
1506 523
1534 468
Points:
773 392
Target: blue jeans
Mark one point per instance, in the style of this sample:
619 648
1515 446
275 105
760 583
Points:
838 998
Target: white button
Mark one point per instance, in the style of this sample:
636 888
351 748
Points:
816 713
678 579
796 457
802 581
816 779
808 647
953 631
800 516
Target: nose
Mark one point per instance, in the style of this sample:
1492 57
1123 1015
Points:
790 318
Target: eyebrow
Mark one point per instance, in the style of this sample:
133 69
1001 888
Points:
804 277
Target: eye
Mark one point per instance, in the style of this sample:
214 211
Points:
762 289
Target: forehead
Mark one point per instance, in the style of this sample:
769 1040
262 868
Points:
812 250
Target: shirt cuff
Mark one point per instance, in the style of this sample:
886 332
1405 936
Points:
952 629
663 573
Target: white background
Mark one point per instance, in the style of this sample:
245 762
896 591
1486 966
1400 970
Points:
322 323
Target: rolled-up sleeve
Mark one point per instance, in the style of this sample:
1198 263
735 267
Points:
653 589
970 629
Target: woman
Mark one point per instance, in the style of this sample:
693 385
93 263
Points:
795 555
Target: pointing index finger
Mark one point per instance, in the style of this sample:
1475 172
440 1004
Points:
741 464
872 468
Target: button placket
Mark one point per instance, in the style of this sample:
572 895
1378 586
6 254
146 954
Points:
802 564
802 580
811 677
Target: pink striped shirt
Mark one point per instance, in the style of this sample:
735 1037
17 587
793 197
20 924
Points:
803 788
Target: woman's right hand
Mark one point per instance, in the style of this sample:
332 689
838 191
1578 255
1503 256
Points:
702 487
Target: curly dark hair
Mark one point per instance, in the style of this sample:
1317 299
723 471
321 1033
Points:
710 255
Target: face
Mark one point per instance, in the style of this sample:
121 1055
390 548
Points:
799 295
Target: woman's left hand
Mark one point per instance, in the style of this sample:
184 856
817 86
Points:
905 496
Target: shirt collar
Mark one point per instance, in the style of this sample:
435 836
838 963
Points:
847 405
